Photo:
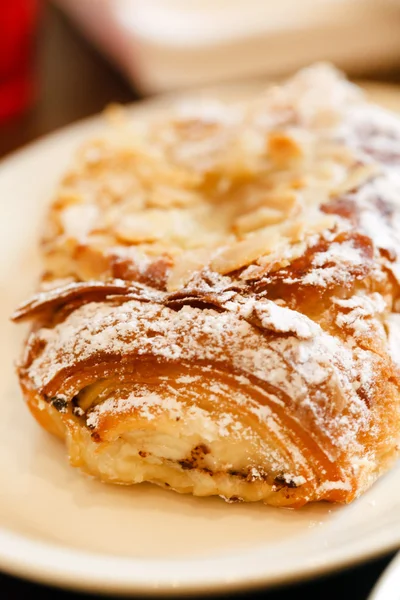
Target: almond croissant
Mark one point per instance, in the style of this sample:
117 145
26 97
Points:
218 307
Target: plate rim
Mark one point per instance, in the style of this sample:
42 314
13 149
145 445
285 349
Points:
50 569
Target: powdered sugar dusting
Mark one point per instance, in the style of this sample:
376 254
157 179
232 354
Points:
334 485
332 265
272 316
360 311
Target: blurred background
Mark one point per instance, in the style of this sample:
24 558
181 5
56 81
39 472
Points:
67 59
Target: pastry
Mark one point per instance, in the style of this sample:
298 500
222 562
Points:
217 312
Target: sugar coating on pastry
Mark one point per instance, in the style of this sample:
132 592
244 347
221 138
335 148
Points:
217 312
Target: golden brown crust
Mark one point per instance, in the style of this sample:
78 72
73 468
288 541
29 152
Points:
218 310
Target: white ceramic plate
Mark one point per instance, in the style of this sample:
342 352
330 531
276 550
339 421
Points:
60 527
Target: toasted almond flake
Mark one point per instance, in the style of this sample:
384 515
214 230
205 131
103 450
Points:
79 220
101 240
297 230
160 248
298 183
90 263
326 171
139 228
314 195
243 253
356 177
66 198
282 148
285 200
257 219
294 230
196 129
322 223
168 197
185 266
92 154
254 197
57 262
336 152
130 206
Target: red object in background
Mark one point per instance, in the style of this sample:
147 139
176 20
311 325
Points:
18 19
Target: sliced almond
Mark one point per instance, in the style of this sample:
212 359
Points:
299 229
66 198
297 183
93 154
243 253
284 200
327 171
280 199
325 118
78 220
101 240
294 231
141 227
196 129
335 151
322 223
185 266
257 219
238 165
168 197
314 195
356 177
282 148
91 263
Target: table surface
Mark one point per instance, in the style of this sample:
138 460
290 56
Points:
74 81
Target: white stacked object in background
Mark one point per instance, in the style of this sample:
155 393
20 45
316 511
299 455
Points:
169 44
